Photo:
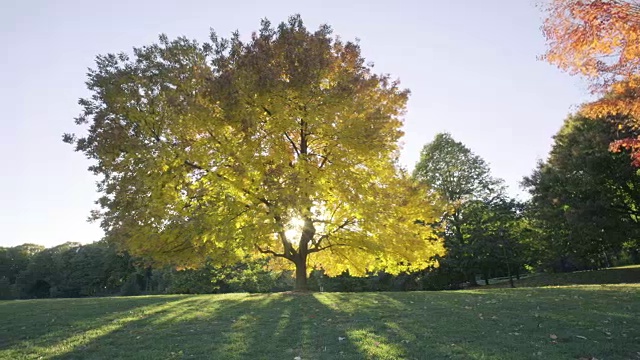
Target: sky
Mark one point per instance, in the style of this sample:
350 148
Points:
471 67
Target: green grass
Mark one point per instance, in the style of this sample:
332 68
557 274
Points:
616 275
588 321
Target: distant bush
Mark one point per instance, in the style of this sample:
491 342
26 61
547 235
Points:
130 287
8 291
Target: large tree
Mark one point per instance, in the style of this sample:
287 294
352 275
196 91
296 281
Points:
459 179
284 145
600 39
585 201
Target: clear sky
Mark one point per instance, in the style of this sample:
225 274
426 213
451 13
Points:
471 66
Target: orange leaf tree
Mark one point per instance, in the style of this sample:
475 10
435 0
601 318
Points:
600 39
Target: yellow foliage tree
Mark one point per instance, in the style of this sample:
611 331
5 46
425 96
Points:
283 146
600 39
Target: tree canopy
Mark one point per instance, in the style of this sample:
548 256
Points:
283 145
453 172
584 199
16 259
600 39
462 181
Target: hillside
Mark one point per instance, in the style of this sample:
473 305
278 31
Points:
617 275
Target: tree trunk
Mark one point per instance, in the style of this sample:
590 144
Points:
308 232
504 252
606 259
510 275
471 277
301 275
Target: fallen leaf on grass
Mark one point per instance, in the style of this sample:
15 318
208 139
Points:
553 336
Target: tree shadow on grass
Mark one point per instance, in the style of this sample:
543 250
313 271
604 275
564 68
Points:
233 326
506 324
41 323
494 324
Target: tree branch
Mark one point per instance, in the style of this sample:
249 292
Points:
266 110
244 190
295 147
271 252
289 251
325 159
318 249
317 244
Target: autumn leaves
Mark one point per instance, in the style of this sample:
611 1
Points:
600 39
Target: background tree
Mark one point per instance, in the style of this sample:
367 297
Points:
493 232
285 145
45 274
14 260
600 39
459 179
585 200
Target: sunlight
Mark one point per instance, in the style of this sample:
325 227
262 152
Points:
112 323
293 230
320 217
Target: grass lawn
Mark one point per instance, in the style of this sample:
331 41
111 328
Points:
575 322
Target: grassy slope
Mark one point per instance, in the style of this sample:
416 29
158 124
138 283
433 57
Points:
617 275
478 324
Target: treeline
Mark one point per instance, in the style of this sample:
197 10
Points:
582 213
98 269
74 270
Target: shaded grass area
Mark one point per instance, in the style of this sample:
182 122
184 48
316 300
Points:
617 275
524 323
